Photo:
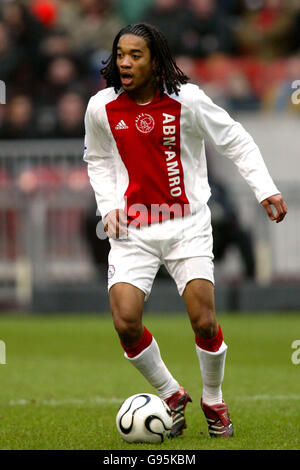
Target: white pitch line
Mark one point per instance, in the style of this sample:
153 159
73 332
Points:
268 397
69 401
115 400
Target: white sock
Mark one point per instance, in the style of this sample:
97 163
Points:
212 366
151 365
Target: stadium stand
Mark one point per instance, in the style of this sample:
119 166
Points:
244 53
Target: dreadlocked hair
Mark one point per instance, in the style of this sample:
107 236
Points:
168 74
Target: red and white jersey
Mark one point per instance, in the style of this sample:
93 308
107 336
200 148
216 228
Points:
149 156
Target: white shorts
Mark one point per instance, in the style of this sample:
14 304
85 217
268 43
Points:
183 245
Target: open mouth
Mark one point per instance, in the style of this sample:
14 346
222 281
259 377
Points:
126 78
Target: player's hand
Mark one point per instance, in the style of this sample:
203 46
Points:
115 224
279 205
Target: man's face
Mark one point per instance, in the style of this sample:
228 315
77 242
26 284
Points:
134 63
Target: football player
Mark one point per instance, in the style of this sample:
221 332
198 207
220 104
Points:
145 152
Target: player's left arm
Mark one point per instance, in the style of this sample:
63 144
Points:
275 203
231 139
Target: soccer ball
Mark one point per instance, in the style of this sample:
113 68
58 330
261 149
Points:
144 417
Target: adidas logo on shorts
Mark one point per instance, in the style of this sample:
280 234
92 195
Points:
121 125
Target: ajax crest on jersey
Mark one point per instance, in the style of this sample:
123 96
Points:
144 417
144 123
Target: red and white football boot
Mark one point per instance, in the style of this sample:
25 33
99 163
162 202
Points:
218 419
177 403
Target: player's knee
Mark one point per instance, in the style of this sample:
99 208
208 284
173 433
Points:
129 331
205 325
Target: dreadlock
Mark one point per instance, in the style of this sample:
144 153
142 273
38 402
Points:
168 74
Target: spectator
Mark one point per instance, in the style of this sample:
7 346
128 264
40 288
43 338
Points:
26 33
25 29
92 26
228 231
9 55
267 30
61 73
98 247
58 45
70 116
19 119
62 76
170 17
207 30
68 15
228 85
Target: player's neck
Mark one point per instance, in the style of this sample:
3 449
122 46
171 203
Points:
144 95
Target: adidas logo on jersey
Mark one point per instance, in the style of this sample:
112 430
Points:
121 125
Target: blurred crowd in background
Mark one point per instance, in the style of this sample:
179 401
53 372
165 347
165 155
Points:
244 53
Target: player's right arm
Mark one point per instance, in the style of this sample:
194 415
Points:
115 224
98 154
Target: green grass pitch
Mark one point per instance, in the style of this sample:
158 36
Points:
65 378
